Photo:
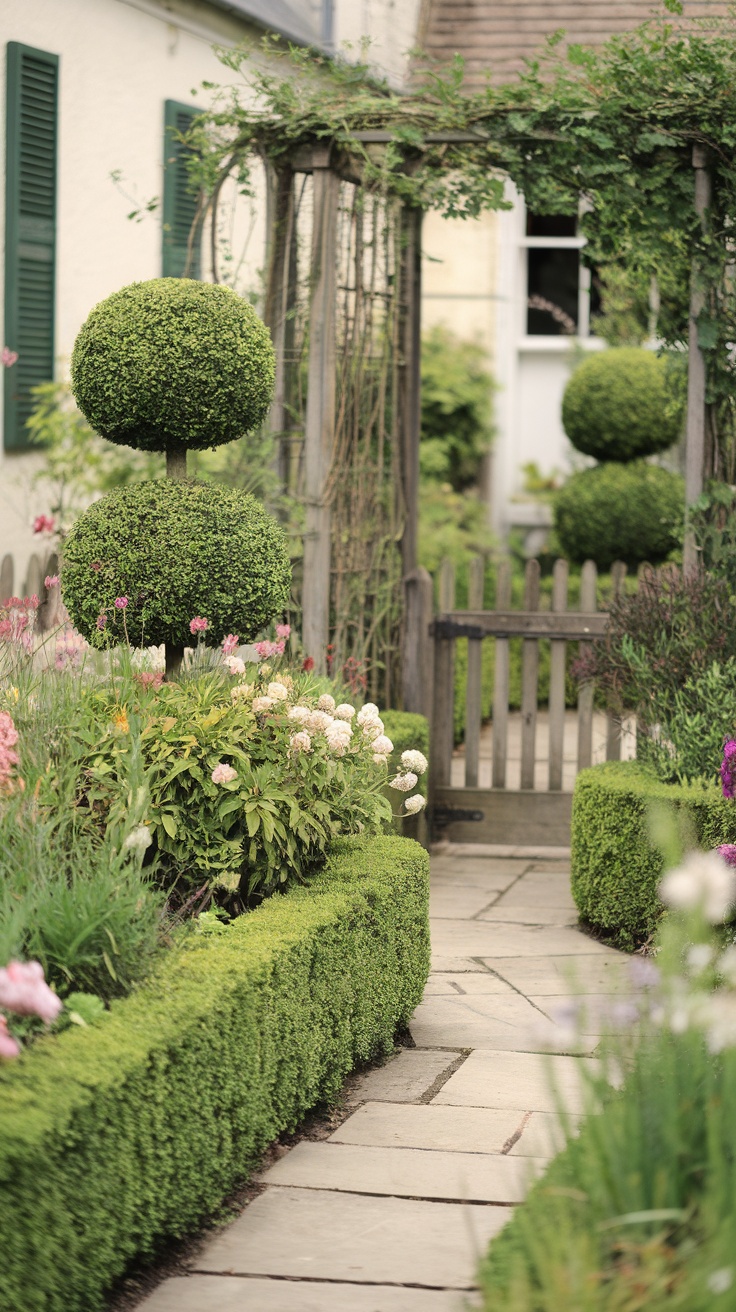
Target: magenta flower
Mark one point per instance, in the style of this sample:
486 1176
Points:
43 524
728 768
230 643
24 990
283 630
267 649
8 357
728 852
121 603
198 624
9 1047
51 580
101 621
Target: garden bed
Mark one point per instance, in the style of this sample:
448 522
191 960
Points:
616 863
119 1135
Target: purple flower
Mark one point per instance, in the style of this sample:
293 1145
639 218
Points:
121 603
728 768
101 621
728 852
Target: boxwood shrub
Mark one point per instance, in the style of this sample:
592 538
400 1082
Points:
616 866
622 404
114 1137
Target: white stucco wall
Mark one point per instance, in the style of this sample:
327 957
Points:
119 61
390 25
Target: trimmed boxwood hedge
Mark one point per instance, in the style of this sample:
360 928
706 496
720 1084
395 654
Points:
615 865
114 1137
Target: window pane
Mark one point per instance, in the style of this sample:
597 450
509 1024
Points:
551 225
553 282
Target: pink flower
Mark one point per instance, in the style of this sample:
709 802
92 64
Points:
230 643
8 757
51 581
267 649
198 624
8 357
24 990
43 524
223 773
9 1047
283 630
121 603
101 621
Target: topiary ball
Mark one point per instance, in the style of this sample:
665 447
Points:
614 512
177 549
173 361
620 405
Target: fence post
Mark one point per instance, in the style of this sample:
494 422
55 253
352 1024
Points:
613 726
529 680
473 706
417 672
443 718
7 576
589 604
558 653
501 680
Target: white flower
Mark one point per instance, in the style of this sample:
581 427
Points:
139 838
223 773
242 690
277 691
378 759
340 728
299 713
263 704
717 1017
699 957
234 664
344 711
415 803
404 783
415 761
326 703
300 742
318 721
367 713
702 881
383 746
727 965
373 729
337 744
720 1281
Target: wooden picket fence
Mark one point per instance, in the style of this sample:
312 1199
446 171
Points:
13 584
536 812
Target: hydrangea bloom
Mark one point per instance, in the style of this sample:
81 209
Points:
299 713
139 838
415 803
262 704
703 880
242 690
415 761
344 711
24 990
223 773
403 783
300 742
728 768
277 691
234 664
383 746
318 721
326 703
367 713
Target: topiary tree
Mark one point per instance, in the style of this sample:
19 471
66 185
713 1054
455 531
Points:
173 364
174 549
630 512
620 405
167 365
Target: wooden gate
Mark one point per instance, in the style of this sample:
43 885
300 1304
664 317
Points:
478 793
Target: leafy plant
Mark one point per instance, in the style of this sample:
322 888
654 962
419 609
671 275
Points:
686 741
619 405
456 423
631 512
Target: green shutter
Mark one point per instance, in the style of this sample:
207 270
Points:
30 231
180 201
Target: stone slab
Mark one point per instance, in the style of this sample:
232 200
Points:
450 1129
479 870
405 1172
593 1012
404 1078
462 901
545 976
477 938
503 1021
445 983
516 1080
455 965
353 1237
508 914
228 1294
543 1135
540 891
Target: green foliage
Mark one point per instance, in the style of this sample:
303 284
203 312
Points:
274 822
116 1137
624 316
616 862
687 741
713 521
456 409
173 361
613 512
452 526
176 549
618 405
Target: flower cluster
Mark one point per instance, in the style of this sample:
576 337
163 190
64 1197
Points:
44 524
728 768
198 625
24 991
17 622
413 764
69 648
705 883
8 755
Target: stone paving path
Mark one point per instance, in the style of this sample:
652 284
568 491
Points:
392 1212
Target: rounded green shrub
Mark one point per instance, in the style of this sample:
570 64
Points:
620 405
173 361
615 512
176 549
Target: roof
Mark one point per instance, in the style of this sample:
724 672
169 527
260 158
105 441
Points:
497 35
292 19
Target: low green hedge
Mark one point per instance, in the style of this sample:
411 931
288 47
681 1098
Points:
616 867
114 1137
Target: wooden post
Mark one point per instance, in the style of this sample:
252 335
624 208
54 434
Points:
613 726
588 604
418 646
409 408
696 373
443 720
7 574
320 419
280 301
501 680
529 680
473 701
558 653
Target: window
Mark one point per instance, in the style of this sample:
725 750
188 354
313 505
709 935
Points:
559 295
30 231
180 201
